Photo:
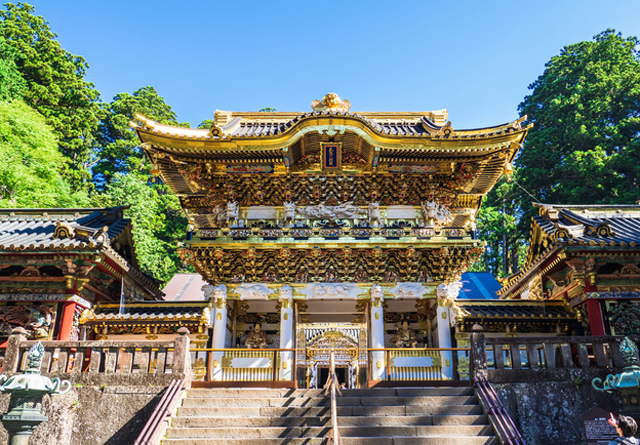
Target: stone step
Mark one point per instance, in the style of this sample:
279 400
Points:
374 411
345 431
325 401
260 422
480 440
285 392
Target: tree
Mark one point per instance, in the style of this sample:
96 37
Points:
122 171
118 146
158 222
55 83
30 172
12 85
497 226
584 147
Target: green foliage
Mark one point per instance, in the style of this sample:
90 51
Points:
12 85
497 222
122 171
30 172
119 150
158 222
55 83
206 124
584 147
268 110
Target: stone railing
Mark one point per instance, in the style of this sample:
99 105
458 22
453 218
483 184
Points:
504 359
107 361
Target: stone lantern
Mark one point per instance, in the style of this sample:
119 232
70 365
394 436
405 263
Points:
627 383
27 391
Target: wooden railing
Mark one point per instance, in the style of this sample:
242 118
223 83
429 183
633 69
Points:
159 419
236 365
333 387
102 357
515 359
554 352
418 364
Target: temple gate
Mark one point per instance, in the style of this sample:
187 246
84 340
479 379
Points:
352 226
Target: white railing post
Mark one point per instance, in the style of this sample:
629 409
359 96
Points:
378 368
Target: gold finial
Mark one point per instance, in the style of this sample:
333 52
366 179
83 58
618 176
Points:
331 102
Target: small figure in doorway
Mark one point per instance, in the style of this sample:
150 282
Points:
257 338
405 337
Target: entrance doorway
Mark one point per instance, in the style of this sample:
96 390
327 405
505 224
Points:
341 373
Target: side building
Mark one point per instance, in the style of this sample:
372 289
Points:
587 257
57 263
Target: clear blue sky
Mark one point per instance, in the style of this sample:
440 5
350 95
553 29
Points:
475 58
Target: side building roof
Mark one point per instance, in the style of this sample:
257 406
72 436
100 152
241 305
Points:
83 231
575 228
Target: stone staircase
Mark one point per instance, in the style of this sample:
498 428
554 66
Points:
367 416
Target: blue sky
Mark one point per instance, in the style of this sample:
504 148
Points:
474 58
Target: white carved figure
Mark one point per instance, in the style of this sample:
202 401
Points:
253 291
220 292
408 290
449 292
232 210
289 211
208 291
377 293
285 293
331 291
317 212
347 210
436 214
374 212
343 211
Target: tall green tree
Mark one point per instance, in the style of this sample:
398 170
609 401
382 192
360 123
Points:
584 147
30 171
12 85
55 84
121 170
497 225
158 222
118 146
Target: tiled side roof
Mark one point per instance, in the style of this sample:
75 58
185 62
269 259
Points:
564 226
515 309
593 225
151 311
35 229
28 230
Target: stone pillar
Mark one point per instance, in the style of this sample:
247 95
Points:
478 355
286 332
378 368
12 353
181 354
219 296
446 294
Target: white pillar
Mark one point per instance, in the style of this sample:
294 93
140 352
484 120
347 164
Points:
446 294
286 332
219 326
378 368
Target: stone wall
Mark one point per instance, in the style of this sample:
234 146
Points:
103 411
549 410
